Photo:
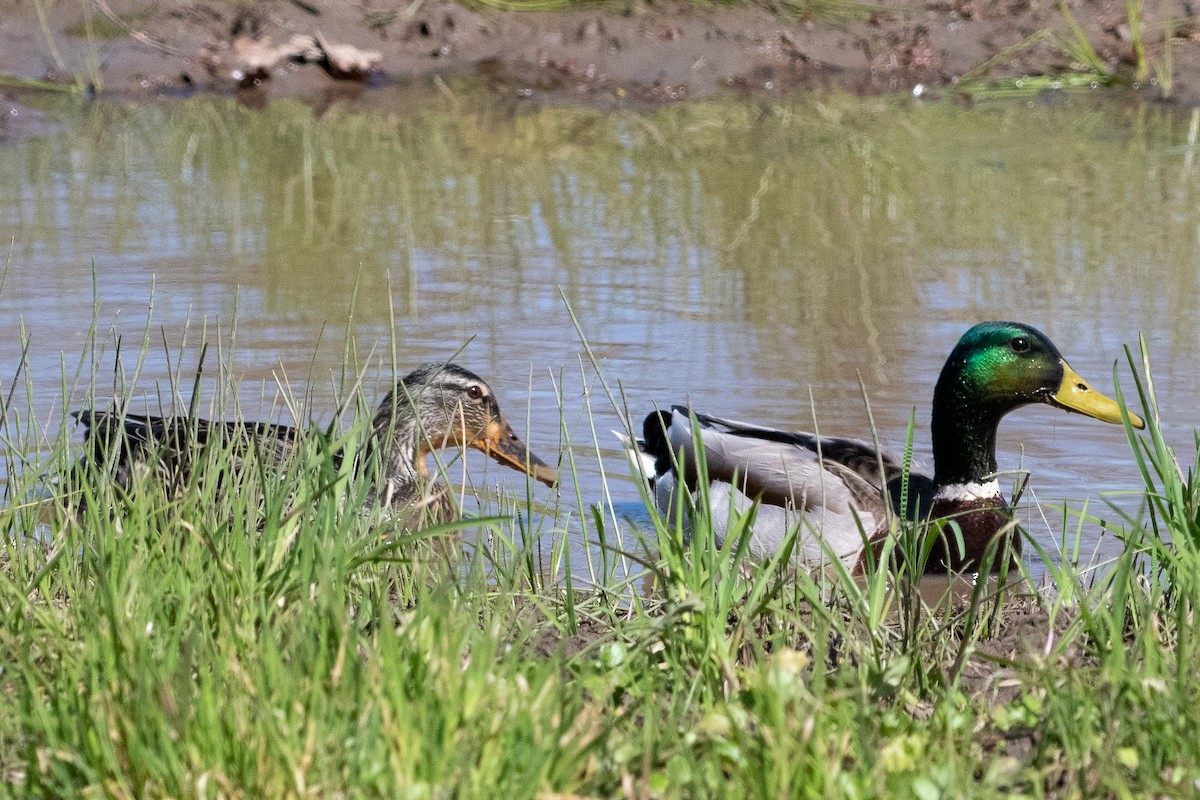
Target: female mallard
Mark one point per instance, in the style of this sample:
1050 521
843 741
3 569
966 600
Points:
434 406
832 487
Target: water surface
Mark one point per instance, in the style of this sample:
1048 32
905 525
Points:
756 260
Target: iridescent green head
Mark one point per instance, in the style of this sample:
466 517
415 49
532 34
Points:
994 368
999 366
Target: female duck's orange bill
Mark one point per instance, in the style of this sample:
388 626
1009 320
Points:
500 442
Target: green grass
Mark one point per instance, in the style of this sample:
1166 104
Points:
87 77
255 635
1087 69
32 84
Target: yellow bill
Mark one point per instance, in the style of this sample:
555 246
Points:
1076 394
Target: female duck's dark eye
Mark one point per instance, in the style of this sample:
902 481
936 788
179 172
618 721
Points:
1019 345
474 392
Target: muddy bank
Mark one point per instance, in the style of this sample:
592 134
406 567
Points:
635 50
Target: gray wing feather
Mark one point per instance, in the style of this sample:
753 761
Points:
779 468
834 505
858 455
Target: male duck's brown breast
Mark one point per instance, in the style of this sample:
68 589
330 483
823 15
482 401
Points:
980 520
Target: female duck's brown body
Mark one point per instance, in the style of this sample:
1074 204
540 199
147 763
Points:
434 406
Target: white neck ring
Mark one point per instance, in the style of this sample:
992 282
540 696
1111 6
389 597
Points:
969 491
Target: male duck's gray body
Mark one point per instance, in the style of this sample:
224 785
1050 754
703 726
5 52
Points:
842 491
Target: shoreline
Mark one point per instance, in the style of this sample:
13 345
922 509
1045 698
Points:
639 52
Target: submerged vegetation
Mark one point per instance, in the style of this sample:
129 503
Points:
274 641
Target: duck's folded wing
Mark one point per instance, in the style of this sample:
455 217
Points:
104 427
179 433
857 455
775 467
169 445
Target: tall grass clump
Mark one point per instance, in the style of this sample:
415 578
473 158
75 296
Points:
89 80
250 631
1157 581
1163 65
1087 69
245 629
1122 717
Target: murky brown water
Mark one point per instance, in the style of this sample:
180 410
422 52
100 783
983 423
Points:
742 256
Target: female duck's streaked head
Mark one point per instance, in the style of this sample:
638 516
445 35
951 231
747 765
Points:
444 405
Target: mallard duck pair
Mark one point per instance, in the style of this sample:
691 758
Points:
433 407
841 491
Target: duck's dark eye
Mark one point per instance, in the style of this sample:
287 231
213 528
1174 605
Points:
1019 345
474 392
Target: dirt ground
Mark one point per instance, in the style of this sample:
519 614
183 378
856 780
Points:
621 51
1024 635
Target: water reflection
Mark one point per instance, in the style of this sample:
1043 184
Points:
741 256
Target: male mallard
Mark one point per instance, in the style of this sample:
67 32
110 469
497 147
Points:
833 486
434 406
